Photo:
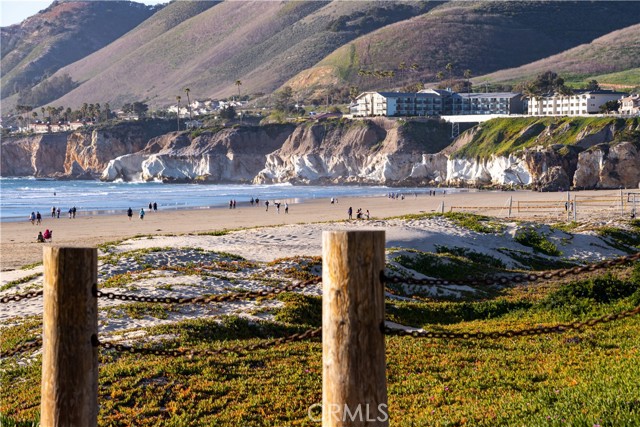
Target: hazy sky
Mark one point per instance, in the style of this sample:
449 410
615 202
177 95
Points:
15 11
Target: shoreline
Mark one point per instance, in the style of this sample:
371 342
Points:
19 247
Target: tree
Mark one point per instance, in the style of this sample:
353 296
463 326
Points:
610 106
187 90
449 68
140 109
178 98
228 112
467 75
353 92
593 85
283 99
238 83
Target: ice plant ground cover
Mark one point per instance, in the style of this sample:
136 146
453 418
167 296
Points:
588 377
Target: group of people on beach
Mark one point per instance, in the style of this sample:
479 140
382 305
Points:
360 214
256 201
46 237
152 207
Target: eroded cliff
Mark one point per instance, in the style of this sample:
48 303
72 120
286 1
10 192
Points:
548 154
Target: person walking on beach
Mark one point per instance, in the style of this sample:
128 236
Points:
257 202
155 207
267 205
277 207
230 204
53 212
141 213
58 212
74 211
286 207
38 218
150 206
70 212
32 218
350 212
130 213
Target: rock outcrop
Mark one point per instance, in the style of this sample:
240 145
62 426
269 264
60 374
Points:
609 166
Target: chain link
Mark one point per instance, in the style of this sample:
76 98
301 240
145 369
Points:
513 333
37 343
209 299
518 278
311 333
18 297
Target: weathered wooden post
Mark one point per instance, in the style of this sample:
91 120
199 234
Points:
354 383
69 359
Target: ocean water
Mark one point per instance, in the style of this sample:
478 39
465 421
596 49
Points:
20 196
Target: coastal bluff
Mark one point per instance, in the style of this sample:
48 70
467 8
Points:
544 153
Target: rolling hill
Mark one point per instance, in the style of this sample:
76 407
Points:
613 58
260 43
61 34
207 46
479 36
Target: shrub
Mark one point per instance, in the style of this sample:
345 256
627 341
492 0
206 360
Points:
538 242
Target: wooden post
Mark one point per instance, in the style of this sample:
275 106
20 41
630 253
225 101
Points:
69 359
354 382
510 206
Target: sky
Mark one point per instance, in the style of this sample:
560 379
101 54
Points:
15 11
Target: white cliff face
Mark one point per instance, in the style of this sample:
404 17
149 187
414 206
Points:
125 168
499 170
365 153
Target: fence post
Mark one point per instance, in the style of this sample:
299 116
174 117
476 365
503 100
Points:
69 359
354 383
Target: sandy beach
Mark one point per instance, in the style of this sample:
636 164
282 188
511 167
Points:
19 246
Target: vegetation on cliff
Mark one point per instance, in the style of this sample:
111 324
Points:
503 136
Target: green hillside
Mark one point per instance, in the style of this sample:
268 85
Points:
505 136
612 59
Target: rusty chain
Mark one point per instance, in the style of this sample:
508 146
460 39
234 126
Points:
311 333
519 278
564 327
18 297
208 299
37 343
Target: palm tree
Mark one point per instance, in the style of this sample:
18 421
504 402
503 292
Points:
238 83
187 90
449 68
178 98
440 76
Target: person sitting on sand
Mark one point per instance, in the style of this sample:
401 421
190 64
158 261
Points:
48 234
40 237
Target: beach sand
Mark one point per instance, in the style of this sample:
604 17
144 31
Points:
19 247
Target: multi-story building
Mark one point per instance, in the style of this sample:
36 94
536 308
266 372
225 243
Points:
397 104
581 102
630 105
433 102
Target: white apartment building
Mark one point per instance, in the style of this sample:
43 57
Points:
576 104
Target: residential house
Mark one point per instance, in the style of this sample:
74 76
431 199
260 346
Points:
580 102
630 105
